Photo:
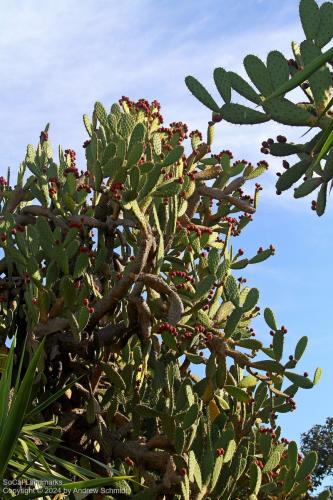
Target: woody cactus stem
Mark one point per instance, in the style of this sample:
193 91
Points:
126 267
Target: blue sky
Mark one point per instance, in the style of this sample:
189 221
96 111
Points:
58 58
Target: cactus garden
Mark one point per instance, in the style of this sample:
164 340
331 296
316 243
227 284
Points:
129 358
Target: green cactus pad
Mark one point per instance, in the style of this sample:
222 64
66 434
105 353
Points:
284 111
242 115
307 466
317 376
307 187
321 199
300 347
258 73
270 318
299 380
243 88
199 91
325 30
278 342
285 149
310 18
278 68
101 113
223 85
173 156
292 175
321 80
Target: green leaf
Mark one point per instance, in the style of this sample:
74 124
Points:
292 454
14 421
5 386
199 91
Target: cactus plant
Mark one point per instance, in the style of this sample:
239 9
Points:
126 270
308 69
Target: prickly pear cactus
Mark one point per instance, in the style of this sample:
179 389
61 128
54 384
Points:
126 267
315 113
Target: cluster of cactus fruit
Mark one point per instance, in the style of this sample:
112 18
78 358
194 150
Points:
316 112
126 268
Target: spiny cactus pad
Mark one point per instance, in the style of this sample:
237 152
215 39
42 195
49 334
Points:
313 113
